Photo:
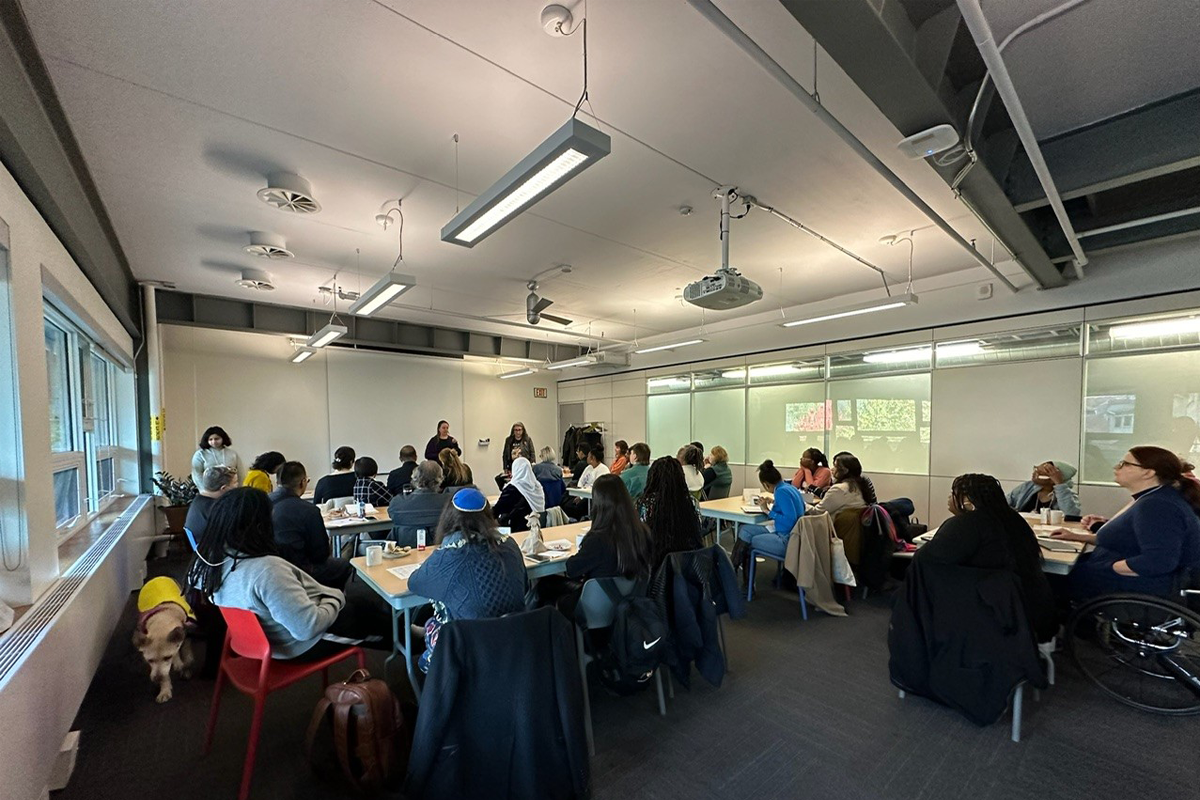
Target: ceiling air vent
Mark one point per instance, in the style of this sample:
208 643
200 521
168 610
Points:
289 192
257 279
268 245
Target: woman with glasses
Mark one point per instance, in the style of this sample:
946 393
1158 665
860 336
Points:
1151 539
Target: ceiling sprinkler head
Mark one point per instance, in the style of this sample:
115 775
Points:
685 211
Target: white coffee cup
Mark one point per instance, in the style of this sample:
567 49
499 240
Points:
1056 517
374 555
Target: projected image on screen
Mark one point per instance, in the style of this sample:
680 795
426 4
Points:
845 410
1109 413
887 414
805 417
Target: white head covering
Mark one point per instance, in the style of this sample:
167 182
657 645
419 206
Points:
527 484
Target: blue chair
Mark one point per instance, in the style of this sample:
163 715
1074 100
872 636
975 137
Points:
554 490
754 554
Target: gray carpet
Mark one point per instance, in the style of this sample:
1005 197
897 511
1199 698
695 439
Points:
807 711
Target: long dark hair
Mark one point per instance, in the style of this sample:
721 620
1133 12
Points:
848 469
987 496
269 462
1169 468
219 431
477 527
239 527
692 455
343 458
817 456
669 509
615 520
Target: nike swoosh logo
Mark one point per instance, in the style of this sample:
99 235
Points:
648 645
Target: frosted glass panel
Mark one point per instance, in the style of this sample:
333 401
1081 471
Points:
719 417
1138 400
785 421
885 421
668 423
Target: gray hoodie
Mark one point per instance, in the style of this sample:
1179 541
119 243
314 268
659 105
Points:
293 608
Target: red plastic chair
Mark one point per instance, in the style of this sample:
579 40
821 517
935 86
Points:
246 663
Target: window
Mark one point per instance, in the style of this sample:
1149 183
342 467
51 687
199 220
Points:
1160 332
720 376
668 423
784 421
885 421
67 487
788 371
667 384
995 348
718 417
1147 399
58 370
910 358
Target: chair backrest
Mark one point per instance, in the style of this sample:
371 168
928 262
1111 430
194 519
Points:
246 637
718 492
450 490
338 503
554 489
596 608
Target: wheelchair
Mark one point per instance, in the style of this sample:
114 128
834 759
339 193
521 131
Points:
1140 649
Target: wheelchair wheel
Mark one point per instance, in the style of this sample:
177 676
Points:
1142 650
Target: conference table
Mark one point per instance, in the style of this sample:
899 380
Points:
729 509
1055 562
376 522
394 589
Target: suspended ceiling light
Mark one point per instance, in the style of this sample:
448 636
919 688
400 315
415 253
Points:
516 373
582 361
1162 327
906 299
390 286
327 334
571 149
656 348
302 355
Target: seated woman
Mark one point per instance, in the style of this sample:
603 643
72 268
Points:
366 488
691 459
620 457
475 573
984 532
581 462
1151 539
669 510
340 482
454 470
1049 487
237 565
784 511
546 469
521 497
868 495
634 476
262 470
717 475
849 489
814 474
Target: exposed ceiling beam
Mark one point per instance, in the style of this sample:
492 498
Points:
891 61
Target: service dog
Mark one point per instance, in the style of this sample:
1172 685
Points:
161 634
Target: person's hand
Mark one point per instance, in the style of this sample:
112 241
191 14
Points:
764 504
1091 519
1054 474
1069 536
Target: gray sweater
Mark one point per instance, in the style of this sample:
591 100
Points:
293 608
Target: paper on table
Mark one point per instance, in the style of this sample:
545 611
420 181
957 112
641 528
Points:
404 572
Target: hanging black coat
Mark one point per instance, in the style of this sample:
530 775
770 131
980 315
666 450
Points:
502 713
693 588
960 636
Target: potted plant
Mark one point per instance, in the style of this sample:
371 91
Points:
179 496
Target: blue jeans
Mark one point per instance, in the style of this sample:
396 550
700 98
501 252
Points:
759 538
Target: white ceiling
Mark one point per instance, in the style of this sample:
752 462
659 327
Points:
1106 57
181 112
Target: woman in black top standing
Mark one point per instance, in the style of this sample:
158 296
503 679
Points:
443 441
669 509
340 482
517 445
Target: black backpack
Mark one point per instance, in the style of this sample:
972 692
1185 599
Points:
638 641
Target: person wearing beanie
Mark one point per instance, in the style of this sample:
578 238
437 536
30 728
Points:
1049 487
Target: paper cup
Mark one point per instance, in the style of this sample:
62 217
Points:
1056 517
374 555
1045 516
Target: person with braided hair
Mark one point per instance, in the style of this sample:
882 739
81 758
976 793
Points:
986 533
1149 541
669 510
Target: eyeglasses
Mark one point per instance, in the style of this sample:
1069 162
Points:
1121 464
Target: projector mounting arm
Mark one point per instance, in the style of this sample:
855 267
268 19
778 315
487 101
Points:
727 194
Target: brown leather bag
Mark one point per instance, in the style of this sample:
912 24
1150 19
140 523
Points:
368 729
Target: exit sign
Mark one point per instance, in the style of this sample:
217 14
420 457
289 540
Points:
539 391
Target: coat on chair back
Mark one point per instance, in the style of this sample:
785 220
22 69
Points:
502 713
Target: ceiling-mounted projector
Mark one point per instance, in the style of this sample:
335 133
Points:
726 288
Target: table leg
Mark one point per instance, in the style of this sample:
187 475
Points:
406 650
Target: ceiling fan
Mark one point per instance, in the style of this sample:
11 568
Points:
535 306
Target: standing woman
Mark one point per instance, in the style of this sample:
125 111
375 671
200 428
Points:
691 458
814 474
340 482
784 511
521 497
456 472
669 510
215 451
263 469
517 445
443 441
621 457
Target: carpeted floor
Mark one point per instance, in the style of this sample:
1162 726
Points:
806 711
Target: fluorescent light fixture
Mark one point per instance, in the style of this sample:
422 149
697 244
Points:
582 361
906 299
385 290
516 374
514 360
302 355
1161 327
667 383
669 346
571 149
899 356
772 371
327 335
959 349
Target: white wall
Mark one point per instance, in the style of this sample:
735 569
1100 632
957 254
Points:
374 402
